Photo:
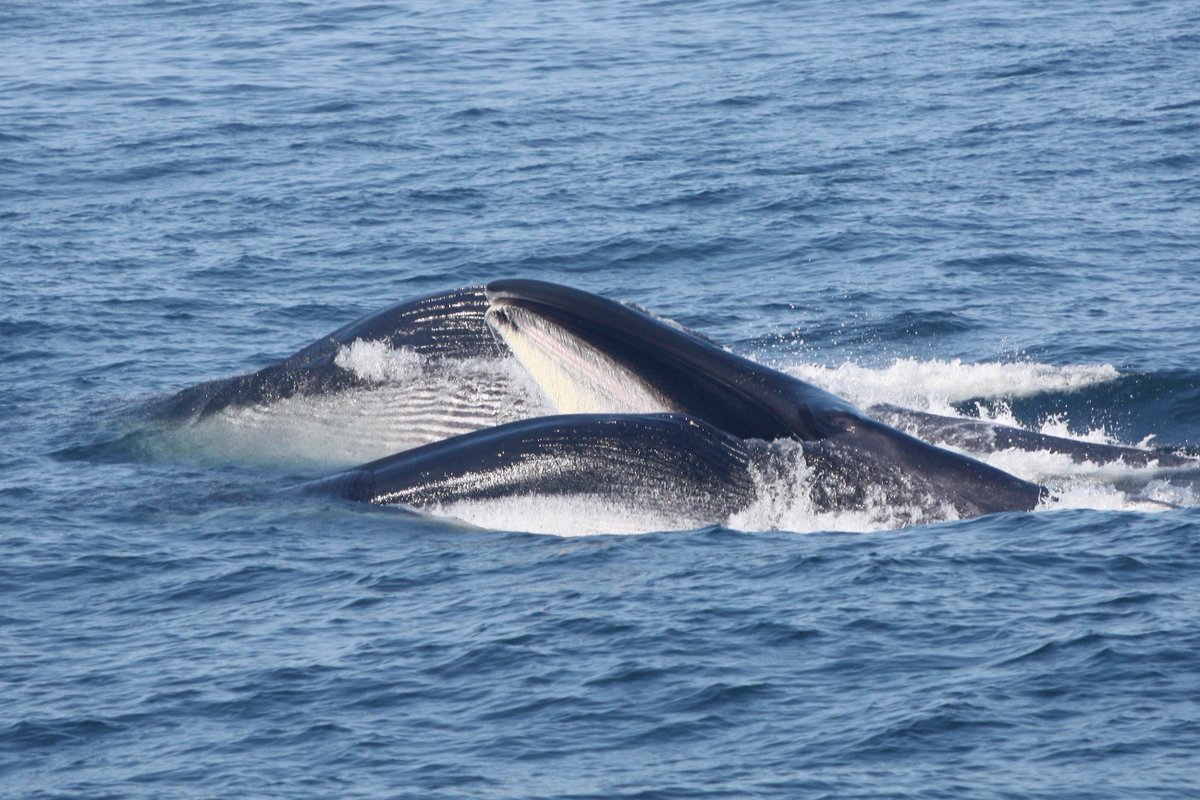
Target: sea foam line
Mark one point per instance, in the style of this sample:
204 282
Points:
935 384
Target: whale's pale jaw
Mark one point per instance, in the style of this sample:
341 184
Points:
576 377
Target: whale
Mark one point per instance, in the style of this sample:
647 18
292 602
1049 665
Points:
604 364
981 436
671 466
439 326
640 408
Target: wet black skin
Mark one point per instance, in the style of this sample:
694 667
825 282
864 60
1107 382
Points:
721 398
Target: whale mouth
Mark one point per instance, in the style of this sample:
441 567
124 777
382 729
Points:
576 377
592 354
671 367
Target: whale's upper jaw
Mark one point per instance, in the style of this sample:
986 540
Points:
690 373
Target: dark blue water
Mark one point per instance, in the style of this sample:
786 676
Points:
968 208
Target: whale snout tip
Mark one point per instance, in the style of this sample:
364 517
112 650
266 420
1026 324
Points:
528 290
500 292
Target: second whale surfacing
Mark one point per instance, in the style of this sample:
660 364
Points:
649 413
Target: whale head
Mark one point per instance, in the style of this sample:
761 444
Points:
590 354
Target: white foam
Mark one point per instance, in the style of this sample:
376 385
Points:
1056 425
934 385
1001 412
783 501
1157 496
378 362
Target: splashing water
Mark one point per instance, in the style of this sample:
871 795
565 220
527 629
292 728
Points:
936 384
377 362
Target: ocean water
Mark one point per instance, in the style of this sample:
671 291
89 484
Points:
980 209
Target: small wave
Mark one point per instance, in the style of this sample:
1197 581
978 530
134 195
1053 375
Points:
1187 104
905 326
332 107
58 732
743 100
162 102
936 384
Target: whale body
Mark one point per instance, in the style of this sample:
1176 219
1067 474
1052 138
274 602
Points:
647 411
438 326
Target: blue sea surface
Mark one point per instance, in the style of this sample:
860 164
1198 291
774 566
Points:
972 208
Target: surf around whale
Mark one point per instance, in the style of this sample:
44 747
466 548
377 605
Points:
579 397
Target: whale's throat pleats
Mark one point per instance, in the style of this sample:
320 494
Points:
576 377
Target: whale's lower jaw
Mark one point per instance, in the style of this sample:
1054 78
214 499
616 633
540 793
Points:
680 468
670 464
